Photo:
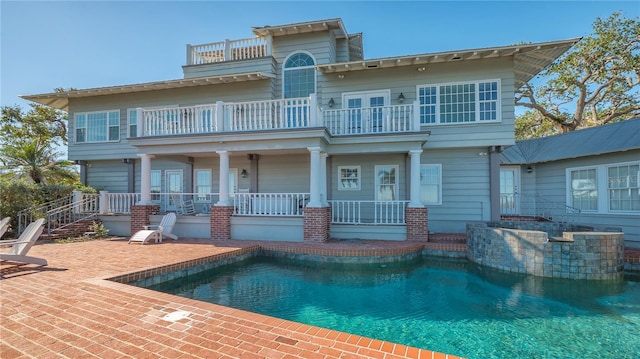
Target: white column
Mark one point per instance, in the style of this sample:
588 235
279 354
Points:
145 179
415 192
140 123
104 202
313 110
323 179
314 180
77 199
224 179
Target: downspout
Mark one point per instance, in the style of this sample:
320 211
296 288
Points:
494 182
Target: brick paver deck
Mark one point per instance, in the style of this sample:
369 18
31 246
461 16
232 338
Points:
68 310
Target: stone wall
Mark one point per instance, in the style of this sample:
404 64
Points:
547 249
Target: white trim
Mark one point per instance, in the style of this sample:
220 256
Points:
377 184
386 93
602 187
439 166
358 178
315 71
476 102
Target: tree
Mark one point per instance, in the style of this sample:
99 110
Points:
532 124
29 141
594 84
37 160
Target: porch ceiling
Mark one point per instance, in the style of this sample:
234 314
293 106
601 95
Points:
60 100
529 59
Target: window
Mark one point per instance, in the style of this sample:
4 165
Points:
465 102
386 183
431 184
203 185
348 178
299 75
133 122
584 190
624 187
156 184
609 188
97 126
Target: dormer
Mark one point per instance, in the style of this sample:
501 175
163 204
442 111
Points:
262 53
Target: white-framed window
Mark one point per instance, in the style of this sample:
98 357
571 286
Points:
202 185
431 184
349 178
607 188
299 75
132 119
624 187
103 126
386 182
156 185
459 102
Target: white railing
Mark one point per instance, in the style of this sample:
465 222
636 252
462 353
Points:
270 114
120 203
366 120
368 212
180 120
270 204
229 50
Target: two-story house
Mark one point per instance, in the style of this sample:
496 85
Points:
293 134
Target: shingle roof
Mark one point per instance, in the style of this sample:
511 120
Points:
616 137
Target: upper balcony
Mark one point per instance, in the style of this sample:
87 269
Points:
282 114
229 50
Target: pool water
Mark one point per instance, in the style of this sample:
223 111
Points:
452 307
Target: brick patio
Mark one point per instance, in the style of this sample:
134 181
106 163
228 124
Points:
67 309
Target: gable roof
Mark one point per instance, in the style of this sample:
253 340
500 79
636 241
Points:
615 137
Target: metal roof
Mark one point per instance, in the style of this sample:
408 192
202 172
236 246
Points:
60 100
615 137
529 59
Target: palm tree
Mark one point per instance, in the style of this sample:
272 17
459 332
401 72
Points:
37 160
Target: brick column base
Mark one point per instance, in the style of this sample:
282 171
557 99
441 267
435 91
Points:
317 224
221 222
417 223
140 216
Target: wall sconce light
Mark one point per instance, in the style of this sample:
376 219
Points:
401 98
331 103
244 173
529 169
421 69
340 76
125 160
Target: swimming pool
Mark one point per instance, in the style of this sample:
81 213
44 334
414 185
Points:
451 307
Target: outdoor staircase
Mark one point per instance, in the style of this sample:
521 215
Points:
79 228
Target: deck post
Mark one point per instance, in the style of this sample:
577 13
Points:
139 122
415 188
224 179
145 179
219 117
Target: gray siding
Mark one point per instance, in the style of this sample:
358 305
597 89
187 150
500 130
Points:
465 189
284 174
264 64
109 176
550 182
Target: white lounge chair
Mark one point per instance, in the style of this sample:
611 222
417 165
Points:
4 225
20 247
164 230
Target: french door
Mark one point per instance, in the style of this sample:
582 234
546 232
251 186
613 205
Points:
173 184
364 113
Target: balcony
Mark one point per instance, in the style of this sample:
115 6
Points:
282 114
229 50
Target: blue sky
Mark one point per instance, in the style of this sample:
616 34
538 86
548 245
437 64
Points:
85 44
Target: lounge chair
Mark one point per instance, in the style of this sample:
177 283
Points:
4 225
164 230
20 247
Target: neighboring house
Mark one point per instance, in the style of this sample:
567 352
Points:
587 176
292 134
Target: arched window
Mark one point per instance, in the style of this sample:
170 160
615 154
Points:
299 75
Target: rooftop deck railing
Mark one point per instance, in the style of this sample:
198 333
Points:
229 50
